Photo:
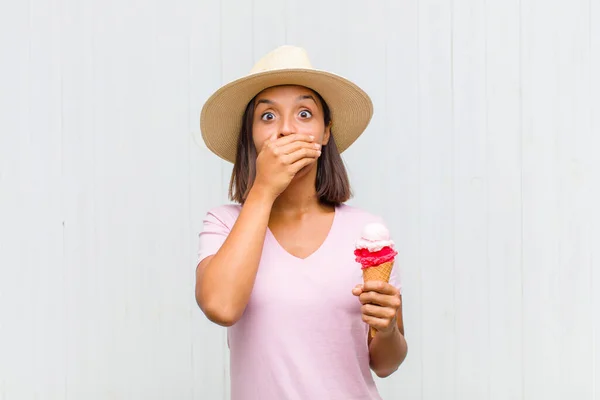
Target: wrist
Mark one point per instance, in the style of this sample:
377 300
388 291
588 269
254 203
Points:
392 332
261 194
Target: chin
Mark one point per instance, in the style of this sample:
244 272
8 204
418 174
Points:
304 171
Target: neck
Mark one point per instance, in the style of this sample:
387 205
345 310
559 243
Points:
299 197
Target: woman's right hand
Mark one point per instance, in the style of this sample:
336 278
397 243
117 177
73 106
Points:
280 159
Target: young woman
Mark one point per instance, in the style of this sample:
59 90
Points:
278 268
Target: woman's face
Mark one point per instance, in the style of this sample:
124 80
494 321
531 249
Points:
287 110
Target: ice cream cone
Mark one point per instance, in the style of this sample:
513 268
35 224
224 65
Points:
375 252
381 272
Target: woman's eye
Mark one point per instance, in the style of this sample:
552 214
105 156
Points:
268 116
305 114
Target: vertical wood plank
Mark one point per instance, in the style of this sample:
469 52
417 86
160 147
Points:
436 193
470 201
168 290
207 190
575 188
594 91
503 82
77 60
269 26
401 171
123 329
317 32
541 286
44 242
363 46
90 351
17 165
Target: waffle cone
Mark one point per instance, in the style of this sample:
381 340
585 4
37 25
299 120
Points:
381 272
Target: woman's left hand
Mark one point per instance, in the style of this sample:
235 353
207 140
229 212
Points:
380 304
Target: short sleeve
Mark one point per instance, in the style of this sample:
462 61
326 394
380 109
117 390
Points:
216 227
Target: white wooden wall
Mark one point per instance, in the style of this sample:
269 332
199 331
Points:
485 141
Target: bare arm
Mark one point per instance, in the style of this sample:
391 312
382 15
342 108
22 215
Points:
224 281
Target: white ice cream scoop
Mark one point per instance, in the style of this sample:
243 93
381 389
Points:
374 237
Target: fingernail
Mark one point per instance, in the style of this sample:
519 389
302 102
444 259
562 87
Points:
311 137
317 146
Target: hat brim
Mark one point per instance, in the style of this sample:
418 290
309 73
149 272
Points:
221 117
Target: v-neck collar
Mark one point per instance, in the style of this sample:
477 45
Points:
271 236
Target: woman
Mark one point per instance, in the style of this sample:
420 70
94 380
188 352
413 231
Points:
278 268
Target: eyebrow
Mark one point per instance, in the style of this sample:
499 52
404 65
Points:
270 102
307 97
262 101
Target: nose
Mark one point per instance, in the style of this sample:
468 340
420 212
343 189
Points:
287 127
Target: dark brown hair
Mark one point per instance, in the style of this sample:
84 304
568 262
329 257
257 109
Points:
332 183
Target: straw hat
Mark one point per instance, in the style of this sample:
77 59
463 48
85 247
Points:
221 116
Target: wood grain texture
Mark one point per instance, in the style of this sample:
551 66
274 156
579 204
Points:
16 324
541 328
84 333
470 213
481 157
575 191
437 188
401 167
209 359
504 198
594 117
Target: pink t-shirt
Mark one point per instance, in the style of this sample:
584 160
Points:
301 335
